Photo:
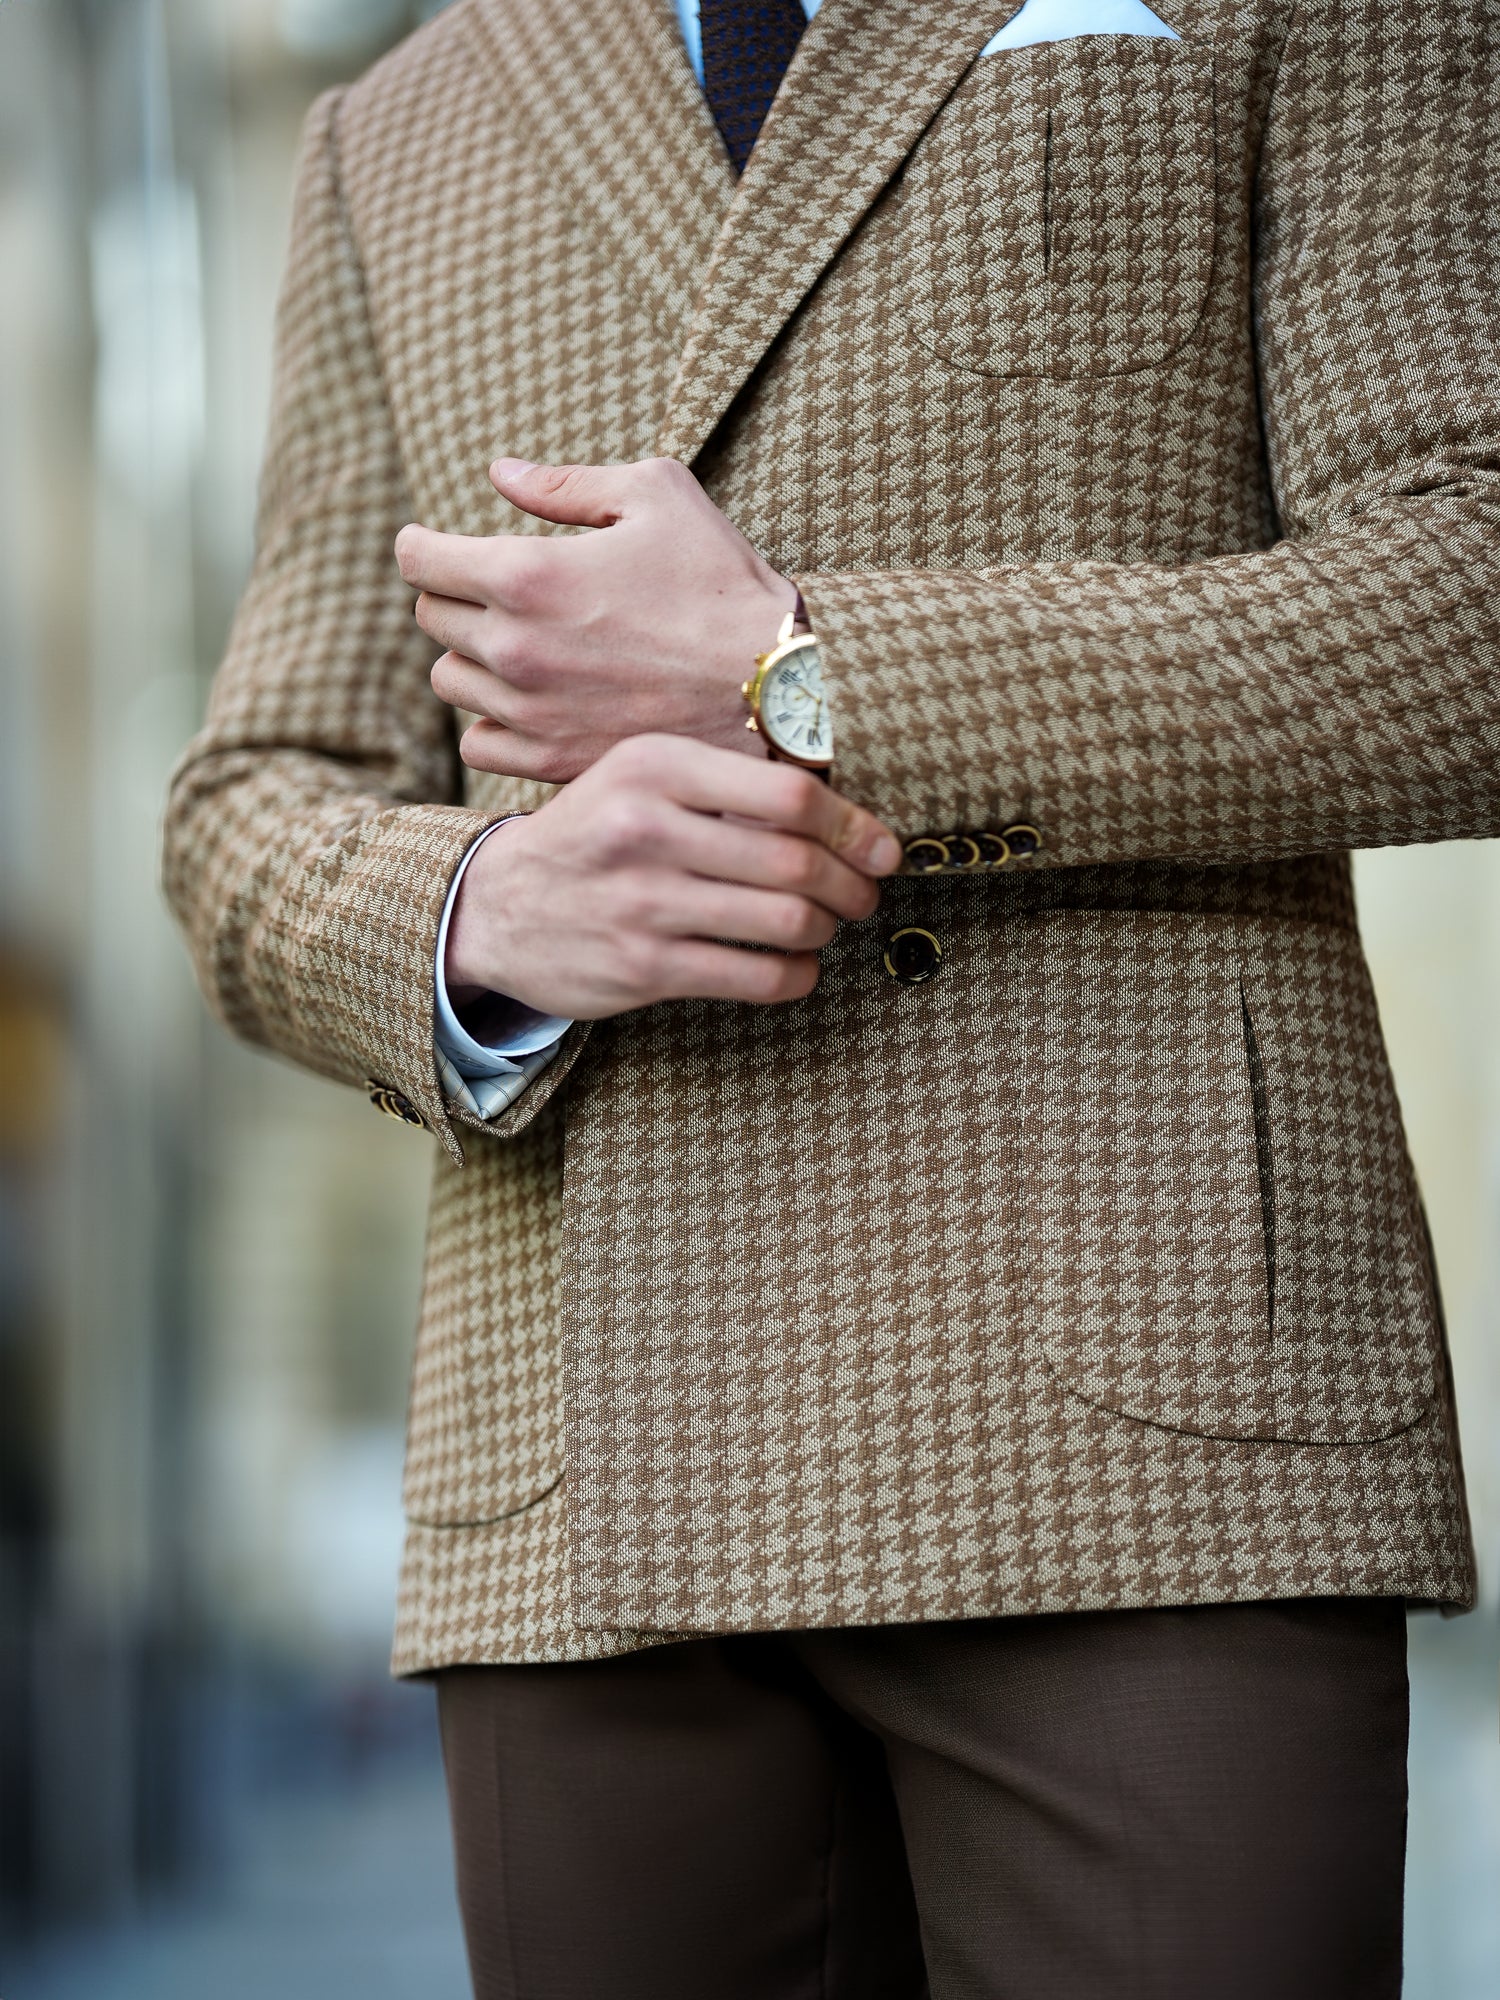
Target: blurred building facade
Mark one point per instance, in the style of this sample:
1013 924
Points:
208 1264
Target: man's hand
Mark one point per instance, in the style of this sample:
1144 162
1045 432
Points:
565 644
622 890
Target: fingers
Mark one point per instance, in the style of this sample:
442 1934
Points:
710 780
509 569
461 626
686 907
467 577
590 496
464 684
510 753
732 851
696 971
449 565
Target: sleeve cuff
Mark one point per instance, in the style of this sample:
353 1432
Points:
485 1097
485 1077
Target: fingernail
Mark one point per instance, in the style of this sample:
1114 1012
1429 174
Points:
508 467
885 854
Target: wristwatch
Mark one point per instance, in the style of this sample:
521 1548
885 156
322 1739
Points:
787 703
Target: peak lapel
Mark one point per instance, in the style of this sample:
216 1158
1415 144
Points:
867 77
605 90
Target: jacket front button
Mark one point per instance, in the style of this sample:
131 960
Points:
392 1102
912 955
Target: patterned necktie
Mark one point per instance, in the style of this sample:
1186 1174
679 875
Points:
747 45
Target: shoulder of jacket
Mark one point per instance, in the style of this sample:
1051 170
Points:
419 81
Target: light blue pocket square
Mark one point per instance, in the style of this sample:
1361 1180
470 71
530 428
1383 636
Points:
1061 20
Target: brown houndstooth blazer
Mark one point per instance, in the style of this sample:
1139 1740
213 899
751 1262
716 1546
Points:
1129 413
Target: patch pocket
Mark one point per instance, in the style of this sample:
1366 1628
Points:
1355 1333
1059 215
1221 1234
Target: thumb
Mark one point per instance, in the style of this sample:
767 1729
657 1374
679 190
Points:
578 496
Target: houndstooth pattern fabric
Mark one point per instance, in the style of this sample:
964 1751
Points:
1173 1268
1090 1272
1139 699
1064 203
315 823
748 1369
489 1304
1084 1510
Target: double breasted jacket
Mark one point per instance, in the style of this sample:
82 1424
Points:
1128 412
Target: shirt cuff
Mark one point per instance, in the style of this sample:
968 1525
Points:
484 1077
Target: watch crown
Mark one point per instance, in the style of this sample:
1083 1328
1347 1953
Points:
745 687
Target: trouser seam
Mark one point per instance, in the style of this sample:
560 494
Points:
833 1814
504 1873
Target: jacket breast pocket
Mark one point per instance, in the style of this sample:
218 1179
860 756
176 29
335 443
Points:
1222 1233
1058 218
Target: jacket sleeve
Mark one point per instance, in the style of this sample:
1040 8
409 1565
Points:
1338 689
312 827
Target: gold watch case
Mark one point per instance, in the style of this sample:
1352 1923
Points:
788 642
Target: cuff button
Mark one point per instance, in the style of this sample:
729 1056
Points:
1023 842
927 855
393 1103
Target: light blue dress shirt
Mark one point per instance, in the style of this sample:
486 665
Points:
1065 20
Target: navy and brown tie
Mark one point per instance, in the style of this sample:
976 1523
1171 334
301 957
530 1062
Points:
747 45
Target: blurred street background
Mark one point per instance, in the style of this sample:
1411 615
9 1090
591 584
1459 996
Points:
209 1263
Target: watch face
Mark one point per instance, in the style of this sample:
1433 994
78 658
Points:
793 713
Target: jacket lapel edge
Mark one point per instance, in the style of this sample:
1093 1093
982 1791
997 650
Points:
855 101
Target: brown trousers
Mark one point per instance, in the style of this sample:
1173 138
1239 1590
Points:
1196 1804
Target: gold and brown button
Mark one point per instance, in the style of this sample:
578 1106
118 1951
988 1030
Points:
964 853
394 1103
912 955
927 855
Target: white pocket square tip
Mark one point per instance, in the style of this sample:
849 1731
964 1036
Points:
1062 20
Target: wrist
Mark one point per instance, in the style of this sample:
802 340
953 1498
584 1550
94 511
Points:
473 950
